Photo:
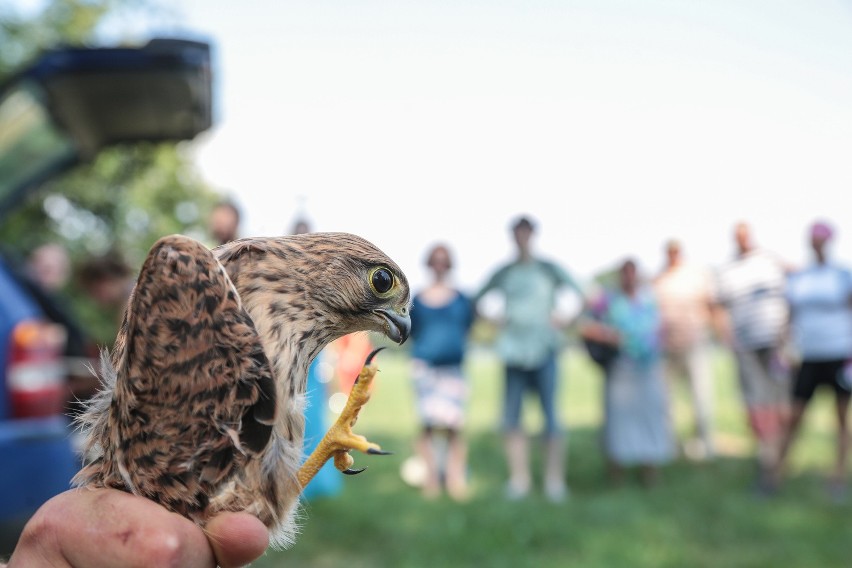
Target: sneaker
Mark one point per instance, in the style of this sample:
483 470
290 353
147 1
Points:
556 492
516 492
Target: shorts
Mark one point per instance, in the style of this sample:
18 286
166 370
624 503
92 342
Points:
542 381
815 373
764 380
441 395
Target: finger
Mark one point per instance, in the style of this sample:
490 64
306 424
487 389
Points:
237 538
103 528
106 527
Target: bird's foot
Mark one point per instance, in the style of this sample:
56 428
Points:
340 440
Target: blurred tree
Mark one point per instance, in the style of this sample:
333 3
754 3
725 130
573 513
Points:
57 22
130 195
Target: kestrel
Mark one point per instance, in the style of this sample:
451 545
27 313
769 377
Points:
203 398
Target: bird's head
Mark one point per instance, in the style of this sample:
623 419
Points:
361 285
338 283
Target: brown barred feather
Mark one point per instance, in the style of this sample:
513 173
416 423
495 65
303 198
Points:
202 408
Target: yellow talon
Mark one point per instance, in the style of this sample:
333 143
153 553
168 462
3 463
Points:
340 440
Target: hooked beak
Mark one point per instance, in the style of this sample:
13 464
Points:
397 327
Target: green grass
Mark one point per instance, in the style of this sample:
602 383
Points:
701 514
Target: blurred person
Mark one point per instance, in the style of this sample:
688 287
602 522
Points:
820 300
109 281
750 315
106 528
50 267
684 296
224 222
637 426
441 318
528 344
347 355
301 226
47 275
327 482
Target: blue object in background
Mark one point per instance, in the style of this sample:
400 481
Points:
38 462
328 481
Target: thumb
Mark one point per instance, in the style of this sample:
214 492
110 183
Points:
236 539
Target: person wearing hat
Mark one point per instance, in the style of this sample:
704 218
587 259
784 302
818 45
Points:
820 299
528 344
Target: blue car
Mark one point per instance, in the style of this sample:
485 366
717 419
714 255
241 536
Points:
59 111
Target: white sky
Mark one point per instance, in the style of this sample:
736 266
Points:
616 124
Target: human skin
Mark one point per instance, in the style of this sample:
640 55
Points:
107 528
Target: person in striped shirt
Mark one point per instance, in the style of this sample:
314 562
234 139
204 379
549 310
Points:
751 315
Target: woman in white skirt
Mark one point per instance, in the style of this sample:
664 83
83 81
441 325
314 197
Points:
637 428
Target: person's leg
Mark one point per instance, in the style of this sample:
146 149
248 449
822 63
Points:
764 413
674 370
842 407
700 376
554 443
515 440
803 389
426 450
615 473
649 475
555 488
456 465
791 429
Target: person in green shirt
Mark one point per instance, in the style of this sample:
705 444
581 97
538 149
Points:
528 343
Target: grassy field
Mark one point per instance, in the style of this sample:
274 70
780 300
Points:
701 514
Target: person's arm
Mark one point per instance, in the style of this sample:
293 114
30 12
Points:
493 283
599 332
565 279
489 285
96 528
848 285
565 285
720 321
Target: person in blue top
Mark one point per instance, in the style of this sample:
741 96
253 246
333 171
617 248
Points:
441 317
528 343
637 429
820 300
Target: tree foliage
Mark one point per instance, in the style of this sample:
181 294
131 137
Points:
130 195
69 22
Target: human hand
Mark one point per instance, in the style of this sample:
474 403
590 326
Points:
110 528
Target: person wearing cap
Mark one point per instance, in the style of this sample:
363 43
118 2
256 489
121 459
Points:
820 299
750 315
528 344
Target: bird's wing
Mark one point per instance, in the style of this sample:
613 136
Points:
194 397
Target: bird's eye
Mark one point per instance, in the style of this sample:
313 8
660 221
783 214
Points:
381 280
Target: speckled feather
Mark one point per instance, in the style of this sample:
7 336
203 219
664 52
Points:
202 408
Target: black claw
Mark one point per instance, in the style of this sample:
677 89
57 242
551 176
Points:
371 355
375 452
368 361
351 471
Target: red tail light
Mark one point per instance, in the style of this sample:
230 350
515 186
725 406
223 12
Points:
35 376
